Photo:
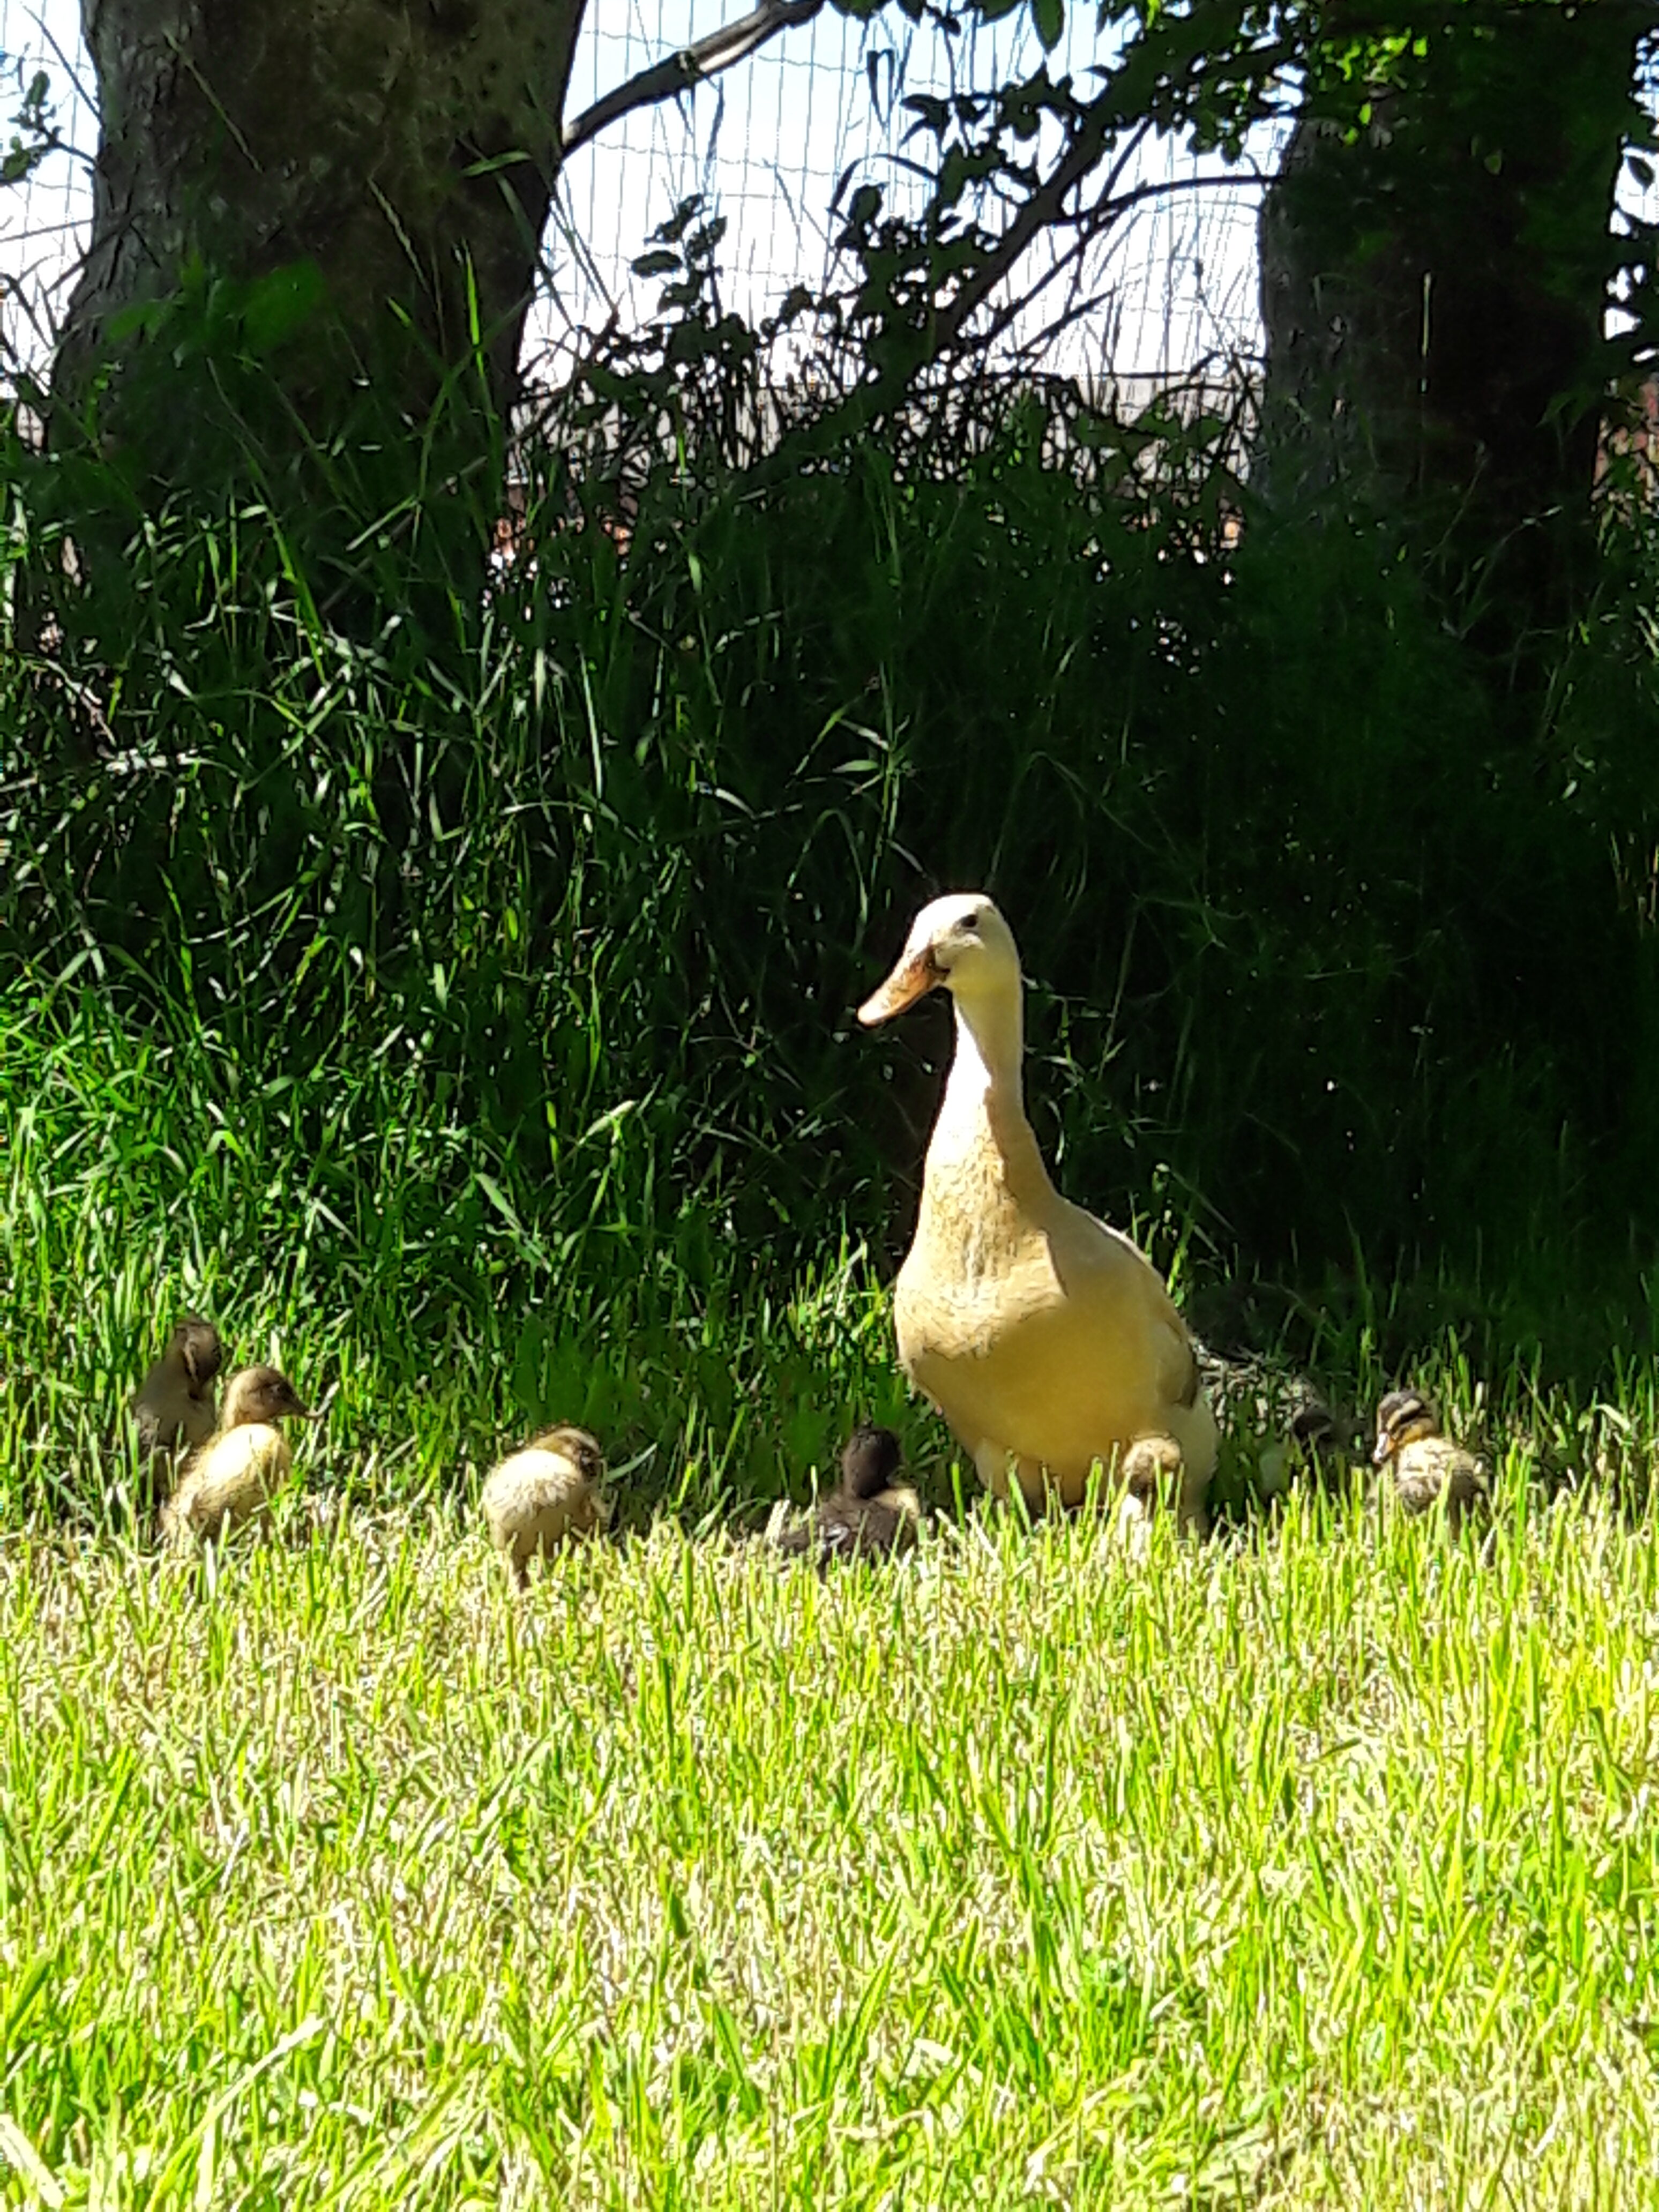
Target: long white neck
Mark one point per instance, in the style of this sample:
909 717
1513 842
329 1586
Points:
990 1052
981 1119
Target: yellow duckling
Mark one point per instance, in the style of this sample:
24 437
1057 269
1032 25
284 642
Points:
174 1405
1043 1337
867 1515
1427 1466
232 1478
541 1496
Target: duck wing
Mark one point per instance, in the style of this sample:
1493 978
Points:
1175 1356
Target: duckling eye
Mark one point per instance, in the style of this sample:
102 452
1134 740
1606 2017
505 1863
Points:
970 923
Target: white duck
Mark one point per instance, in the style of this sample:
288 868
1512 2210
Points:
1041 1335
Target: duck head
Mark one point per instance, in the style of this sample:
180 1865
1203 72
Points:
194 1346
960 944
261 1393
1404 1417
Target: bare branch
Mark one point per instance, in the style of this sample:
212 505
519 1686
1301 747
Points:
667 79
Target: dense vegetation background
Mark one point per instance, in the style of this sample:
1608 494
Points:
480 960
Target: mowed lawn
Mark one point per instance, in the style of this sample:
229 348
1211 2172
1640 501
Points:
1314 1866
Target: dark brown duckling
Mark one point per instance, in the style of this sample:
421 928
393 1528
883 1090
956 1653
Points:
1428 1466
174 1407
867 1515
1316 1439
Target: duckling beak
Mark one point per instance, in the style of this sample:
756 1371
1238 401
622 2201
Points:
916 974
1382 1450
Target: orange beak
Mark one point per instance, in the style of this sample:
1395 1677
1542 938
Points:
916 974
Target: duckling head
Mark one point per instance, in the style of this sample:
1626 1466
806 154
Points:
194 1346
869 1460
960 944
575 1445
261 1393
1316 1428
1403 1418
1153 1464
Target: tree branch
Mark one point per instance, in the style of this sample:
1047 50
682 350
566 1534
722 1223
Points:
667 79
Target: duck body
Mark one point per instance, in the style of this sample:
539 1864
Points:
540 1497
1045 1338
868 1514
1430 1471
231 1479
175 1408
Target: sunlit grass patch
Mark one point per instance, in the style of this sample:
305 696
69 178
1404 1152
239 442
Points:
1314 1864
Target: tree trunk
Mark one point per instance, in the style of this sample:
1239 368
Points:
1434 289
353 192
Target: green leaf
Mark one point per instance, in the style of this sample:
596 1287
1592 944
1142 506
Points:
1050 17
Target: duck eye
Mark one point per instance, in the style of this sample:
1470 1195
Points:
970 922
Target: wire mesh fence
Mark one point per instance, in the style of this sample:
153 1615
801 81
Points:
772 142
1168 292
766 144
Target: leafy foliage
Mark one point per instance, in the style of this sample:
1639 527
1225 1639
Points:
1324 958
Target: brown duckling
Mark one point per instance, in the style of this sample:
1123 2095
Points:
230 1479
1153 1471
542 1495
1427 1466
867 1515
1150 1476
173 1407
1315 1438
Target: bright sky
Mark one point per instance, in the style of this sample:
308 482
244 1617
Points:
767 141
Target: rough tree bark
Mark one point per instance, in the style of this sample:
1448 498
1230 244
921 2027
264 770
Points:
1433 290
316 232
394 142
406 148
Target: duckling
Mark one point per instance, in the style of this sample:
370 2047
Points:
230 1479
539 1496
1427 1466
1151 1471
1315 1438
867 1515
1150 1477
174 1405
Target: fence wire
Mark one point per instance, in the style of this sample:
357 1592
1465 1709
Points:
1172 288
766 144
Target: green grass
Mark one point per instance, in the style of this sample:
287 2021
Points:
1314 1865
466 1023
